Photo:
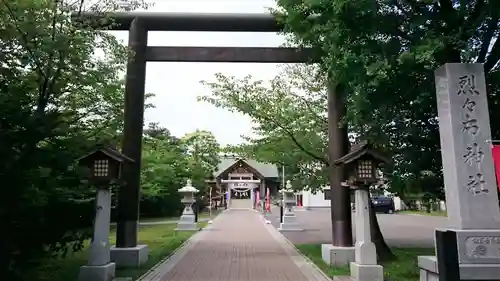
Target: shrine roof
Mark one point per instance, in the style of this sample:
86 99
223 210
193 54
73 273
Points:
266 169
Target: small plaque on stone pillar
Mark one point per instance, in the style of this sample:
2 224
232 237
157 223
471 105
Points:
464 127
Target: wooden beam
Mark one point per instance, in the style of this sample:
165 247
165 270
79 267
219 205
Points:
161 21
230 54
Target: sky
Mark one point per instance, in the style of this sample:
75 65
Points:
177 85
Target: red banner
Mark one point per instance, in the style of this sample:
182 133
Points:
496 160
268 200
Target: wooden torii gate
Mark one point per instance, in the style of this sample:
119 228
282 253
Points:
138 24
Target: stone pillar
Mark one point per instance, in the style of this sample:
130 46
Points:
364 267
99 266
289 221
469 177
187 219
127 252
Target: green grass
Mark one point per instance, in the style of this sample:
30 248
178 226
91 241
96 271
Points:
404 268
424 213
204 215
162 240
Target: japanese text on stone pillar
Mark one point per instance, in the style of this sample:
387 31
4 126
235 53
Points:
474 153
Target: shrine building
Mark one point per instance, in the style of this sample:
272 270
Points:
243 183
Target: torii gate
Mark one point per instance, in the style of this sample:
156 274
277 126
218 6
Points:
138 24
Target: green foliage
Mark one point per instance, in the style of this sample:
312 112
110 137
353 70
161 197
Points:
167 164
384 53
202 148
290 113
61 91
59 99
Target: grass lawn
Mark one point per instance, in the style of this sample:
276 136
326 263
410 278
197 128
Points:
161 239
405 268
204 215
424 213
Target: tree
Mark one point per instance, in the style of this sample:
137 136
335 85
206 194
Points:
203 150
163 171
168 162
378 48
58 100
290 112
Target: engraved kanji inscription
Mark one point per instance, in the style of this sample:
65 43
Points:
480 250
477 185
467 85
470 125
469 105
482 247
473 154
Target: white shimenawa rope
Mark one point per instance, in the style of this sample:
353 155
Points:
241 190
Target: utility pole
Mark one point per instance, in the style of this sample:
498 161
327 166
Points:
338 146
283 184
283 175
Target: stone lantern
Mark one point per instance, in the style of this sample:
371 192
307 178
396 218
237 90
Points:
187 219
289 221
361 164
104 170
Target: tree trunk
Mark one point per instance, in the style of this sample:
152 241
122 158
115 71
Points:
384 253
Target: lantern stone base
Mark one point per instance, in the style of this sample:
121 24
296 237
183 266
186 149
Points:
130 257
339 256
289 227
97 272
474 271
187 223
362 272
289 224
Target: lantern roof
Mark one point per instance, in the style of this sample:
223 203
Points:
188 187
110 152
359 151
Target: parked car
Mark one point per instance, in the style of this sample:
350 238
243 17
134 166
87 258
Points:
383 204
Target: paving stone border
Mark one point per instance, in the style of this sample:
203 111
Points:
306 266
157 272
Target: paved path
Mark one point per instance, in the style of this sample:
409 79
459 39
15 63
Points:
238 247
398 230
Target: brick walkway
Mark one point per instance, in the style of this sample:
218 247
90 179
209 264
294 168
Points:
238 247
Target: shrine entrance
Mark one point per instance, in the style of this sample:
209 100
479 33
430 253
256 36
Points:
242 194
139 24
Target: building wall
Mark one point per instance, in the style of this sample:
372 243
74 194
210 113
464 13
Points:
310 200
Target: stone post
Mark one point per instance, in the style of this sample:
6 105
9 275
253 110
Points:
99 266
469 178
364 267
187 219
289 221
127 253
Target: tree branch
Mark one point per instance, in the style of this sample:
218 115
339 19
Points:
493 58
488 36
292 137
44 94
24 39
472 22
307 104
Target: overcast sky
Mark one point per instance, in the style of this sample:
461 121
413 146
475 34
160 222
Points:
176 85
